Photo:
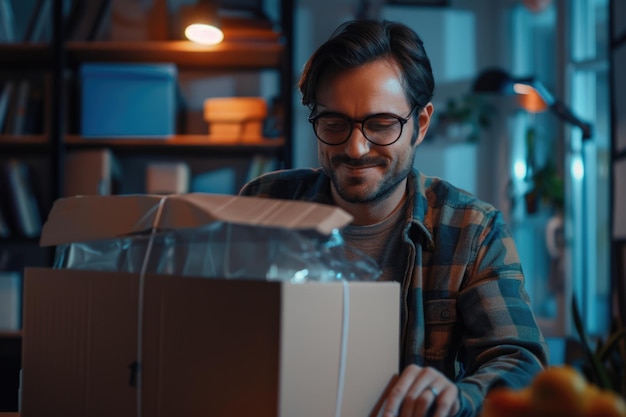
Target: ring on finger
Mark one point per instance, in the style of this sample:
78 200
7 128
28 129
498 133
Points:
433 390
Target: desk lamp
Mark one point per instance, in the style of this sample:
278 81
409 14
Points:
532 96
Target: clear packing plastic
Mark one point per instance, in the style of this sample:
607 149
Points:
227 251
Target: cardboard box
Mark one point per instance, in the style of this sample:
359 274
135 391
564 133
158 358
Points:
129 100
235 119
91 172
209 347
167 178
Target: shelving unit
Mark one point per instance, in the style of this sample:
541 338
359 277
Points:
245 49
251 50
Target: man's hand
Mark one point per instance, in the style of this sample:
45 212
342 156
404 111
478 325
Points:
422 392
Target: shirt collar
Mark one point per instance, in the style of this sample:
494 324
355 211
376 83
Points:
420 220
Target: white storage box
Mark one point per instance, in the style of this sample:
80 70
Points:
129 100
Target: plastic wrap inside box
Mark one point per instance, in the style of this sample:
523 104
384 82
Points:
205 235
224 250
129 100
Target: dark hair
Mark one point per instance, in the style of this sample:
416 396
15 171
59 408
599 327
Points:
358 42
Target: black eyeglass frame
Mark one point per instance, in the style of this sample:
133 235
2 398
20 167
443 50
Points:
403 120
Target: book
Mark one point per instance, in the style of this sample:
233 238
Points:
39 26
34 119
23 105
88 19
270 164
10 300
255 168
6 91
260 164
7 19
5 230
15 124
22 202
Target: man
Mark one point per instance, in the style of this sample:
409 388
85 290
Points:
466 322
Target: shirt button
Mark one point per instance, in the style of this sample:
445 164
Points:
445 314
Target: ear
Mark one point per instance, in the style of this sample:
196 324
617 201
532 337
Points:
423 121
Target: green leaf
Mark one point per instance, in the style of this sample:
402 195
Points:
611 343
599 371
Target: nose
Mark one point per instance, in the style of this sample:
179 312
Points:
357 145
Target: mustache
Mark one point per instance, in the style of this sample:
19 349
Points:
346 160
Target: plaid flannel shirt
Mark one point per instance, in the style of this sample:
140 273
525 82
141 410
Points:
464 307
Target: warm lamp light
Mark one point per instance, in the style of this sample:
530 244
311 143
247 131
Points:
201 23
204 34
529 99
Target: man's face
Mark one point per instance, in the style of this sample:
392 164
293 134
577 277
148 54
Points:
360 171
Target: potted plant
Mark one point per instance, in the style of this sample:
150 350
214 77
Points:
604 365
547 187
464 117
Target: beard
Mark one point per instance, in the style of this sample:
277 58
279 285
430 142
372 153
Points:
360 190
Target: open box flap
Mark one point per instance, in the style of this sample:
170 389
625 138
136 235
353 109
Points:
87 218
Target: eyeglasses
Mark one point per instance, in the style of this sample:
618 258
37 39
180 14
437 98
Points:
382 129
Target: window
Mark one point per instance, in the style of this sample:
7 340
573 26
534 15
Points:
587 67
565 47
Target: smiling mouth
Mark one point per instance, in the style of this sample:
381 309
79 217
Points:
358 163
356 168
358 172
359 166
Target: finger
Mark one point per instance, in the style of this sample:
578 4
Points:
379 408
419 400
399 390
446 403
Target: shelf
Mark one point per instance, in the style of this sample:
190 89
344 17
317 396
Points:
18 145
10 334
249 54
247 50
24 55
15 240
190 142
23 140
194 143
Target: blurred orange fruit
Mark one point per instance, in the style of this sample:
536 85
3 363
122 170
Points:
600 403
559 390
507 402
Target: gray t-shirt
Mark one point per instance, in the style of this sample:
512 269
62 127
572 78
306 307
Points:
383 243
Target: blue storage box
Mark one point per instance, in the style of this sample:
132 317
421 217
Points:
130 100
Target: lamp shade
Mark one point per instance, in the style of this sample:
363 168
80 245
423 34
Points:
201 23
529 98
532 95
